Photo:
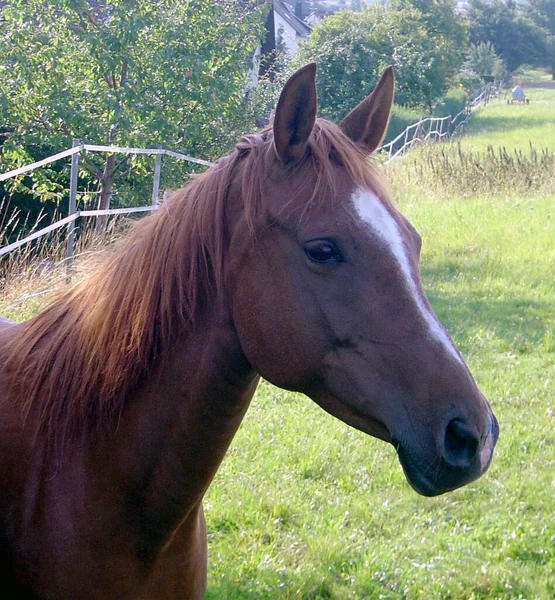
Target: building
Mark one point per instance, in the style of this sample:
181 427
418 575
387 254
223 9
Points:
285 29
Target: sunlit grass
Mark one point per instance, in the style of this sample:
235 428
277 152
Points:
516 125
304 507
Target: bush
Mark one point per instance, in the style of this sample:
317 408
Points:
452 103
401 118
469 80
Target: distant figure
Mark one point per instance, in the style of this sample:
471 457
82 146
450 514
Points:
518 94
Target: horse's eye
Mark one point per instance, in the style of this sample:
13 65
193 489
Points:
322 251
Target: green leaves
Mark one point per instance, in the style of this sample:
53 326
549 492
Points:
126 72
515 38
421 39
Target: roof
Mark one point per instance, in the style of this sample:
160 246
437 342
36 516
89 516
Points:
288 14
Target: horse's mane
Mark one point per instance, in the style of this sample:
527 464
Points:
74 364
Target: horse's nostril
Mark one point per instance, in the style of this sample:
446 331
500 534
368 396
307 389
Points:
461 444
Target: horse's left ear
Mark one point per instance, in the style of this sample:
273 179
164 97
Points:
295 114
367 123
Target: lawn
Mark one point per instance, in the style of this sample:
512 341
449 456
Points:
305 507
516 125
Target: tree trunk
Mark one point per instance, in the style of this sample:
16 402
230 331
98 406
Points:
106 186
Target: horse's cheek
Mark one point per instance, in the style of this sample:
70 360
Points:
274 331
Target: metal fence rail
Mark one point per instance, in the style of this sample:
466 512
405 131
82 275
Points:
428 129
75 214
436 128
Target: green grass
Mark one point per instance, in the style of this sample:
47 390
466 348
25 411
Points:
304 507
515 125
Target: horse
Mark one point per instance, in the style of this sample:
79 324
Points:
286 260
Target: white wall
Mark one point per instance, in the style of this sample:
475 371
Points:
289 35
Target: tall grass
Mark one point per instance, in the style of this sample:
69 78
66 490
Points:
36 271
304 507
463 171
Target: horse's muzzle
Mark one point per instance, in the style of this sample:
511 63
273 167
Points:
461 457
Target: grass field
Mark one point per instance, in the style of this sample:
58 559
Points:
516 125
306 508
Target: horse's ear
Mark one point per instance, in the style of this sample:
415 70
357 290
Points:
367 123
295 114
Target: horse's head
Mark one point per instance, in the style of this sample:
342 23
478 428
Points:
327 297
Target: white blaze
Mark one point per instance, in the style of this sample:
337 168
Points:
372 211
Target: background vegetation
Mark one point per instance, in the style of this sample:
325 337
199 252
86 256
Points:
305 507
123 72
142 73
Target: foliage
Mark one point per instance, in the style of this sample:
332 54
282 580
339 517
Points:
452 103
469 81
514 37
400 119
483 60
127 72
542 12
352 49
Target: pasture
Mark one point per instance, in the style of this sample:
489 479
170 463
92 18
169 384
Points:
305 507
517 125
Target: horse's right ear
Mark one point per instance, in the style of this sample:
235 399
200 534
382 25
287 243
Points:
295 114
367 123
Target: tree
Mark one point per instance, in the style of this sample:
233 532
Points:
515 38
482 60
127 72
352 49
542 13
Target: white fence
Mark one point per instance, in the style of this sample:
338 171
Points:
75 214
436 128
429 129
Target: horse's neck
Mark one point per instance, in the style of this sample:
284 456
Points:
174 434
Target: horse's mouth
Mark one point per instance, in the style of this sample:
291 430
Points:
421 482
438 477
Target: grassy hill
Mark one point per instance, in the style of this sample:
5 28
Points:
517 125
305 507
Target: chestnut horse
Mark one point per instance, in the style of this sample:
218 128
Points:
287 261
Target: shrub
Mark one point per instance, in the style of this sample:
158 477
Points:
401 118
452 103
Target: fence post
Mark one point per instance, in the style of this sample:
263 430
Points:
156 184
72 206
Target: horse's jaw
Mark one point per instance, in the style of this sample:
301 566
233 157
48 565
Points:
426 464
350 415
